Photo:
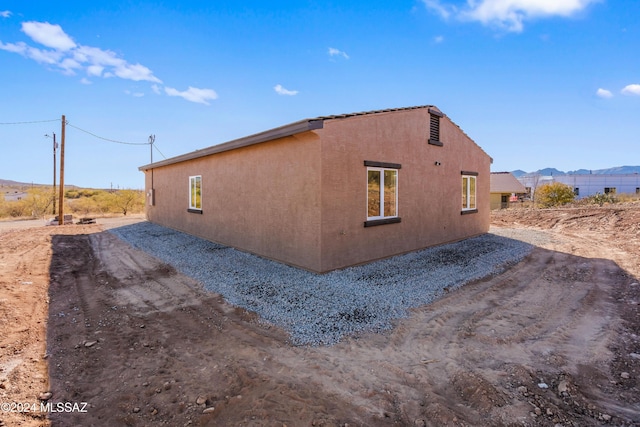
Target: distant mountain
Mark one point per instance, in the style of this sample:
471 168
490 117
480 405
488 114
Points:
619 169
549 171
581 172
553 171
24 185
9 183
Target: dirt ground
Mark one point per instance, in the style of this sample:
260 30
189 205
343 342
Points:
118 338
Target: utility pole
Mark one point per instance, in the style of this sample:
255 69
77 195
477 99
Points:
151 195
152 139
55 145
61 210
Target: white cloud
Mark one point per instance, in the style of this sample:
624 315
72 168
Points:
85 81
69 65
95 70
633 89
19 47
509 14
134 94
337 52
48 35
604 93
438 39
71 58
96 55
38 55
444 10
135 72
193 94
282 91
5 13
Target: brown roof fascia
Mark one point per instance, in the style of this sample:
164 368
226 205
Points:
281 132
269 135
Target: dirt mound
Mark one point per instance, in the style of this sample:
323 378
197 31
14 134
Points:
623 218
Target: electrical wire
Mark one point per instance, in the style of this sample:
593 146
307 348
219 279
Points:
34 121
154 146
106 139
89 133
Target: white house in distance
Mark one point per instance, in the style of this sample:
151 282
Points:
585 185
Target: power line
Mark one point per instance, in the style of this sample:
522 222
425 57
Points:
89 133
26 123
156 147
107 139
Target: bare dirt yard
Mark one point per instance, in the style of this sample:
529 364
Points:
105 335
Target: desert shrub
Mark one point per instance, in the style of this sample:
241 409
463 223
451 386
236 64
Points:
13 209
601 199
627 197
106 202
38 201
77 193
554 194
84 206
129 201
81 202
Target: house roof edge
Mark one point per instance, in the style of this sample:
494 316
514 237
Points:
268 135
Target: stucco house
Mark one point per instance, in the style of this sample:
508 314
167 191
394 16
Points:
332 191
505 190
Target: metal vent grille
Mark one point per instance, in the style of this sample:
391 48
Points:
434 130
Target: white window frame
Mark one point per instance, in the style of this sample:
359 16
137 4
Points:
468 206
381 195
192 203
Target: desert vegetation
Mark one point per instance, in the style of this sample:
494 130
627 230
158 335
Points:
41 202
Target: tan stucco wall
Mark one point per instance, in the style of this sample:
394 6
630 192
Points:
496 200
302 199
429 196
263 199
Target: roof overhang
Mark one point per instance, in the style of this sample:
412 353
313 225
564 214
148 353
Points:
269 135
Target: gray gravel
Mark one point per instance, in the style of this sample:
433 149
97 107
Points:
321 309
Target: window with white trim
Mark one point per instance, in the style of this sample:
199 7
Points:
468 192
195 193
382 193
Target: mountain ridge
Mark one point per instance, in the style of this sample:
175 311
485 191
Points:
553 171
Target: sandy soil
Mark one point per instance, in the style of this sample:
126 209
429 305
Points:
555 340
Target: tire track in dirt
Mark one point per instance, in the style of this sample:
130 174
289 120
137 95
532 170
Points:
179 342
463 347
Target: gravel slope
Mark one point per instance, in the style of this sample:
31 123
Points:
321 309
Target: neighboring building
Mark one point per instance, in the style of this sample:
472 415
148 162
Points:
330 192
585 185
505 190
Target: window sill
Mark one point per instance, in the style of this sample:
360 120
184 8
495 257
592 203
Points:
383 221
195 211
469 211
434 142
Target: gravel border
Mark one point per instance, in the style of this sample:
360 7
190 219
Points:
320 309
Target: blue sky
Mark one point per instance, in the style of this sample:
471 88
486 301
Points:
535 83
